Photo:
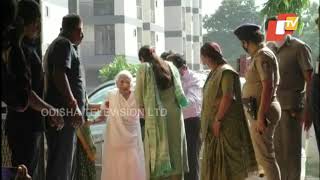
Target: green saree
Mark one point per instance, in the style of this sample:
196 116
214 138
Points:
85 155
164 139
229 156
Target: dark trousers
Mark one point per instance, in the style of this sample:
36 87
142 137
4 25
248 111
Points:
192 128
26 148
61 152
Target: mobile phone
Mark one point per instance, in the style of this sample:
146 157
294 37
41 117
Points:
8 173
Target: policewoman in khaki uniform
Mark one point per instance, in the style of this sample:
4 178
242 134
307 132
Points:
259 97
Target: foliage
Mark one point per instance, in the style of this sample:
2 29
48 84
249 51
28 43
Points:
275 7
220 26
109 71
310 34
231 14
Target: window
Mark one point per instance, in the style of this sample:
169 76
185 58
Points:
200 24
139 12
47 11
184 46
103 7
139 37
152 11
139 9
104 39
183 18
153 39
152 4
153 17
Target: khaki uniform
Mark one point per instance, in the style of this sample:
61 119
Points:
264 66
294 58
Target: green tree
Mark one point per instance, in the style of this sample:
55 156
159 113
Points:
220 26
310 33
109 71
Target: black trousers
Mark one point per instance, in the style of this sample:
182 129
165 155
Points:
25 147
192 128
61 151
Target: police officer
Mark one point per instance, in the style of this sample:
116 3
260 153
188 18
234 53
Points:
259 97
294 57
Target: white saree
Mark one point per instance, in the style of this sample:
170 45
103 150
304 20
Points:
123 157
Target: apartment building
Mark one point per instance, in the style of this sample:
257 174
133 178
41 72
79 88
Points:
114 27
118 27
183 29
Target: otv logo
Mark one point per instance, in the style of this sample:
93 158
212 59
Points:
286 24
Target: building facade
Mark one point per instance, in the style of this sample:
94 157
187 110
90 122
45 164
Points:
114 27
183 29
118 27
52 14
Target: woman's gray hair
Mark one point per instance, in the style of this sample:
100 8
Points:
125 73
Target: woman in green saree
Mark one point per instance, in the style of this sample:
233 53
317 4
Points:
159 92
228 152
85 155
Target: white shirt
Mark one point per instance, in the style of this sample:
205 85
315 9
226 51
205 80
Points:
191 84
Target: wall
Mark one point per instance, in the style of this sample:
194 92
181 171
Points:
130 8
131 42
160 43
51 24
159 13
196 54
174 44
173 18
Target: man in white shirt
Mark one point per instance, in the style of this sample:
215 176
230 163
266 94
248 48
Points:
191 84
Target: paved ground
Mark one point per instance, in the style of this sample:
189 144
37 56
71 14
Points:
310 160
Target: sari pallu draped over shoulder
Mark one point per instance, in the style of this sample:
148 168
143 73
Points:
229 156
156 135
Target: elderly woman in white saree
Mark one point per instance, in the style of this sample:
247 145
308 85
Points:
123 157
